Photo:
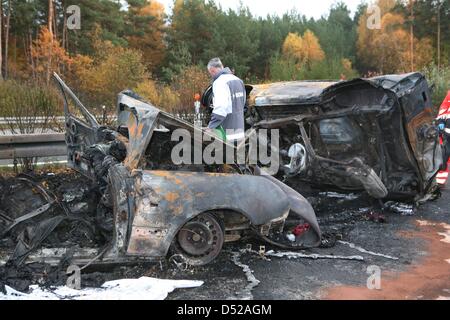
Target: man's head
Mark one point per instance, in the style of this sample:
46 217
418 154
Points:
214 66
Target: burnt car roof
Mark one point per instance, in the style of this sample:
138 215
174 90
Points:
312 92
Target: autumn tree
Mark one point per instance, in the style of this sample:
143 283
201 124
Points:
387 50
312 50
159 94
48 56
293 48
192 80
109 71
431 21
303 50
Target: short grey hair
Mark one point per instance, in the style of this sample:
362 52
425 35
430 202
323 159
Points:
215 63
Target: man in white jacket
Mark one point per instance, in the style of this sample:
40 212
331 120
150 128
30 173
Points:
228 100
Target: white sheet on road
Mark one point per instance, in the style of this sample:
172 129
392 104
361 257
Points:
144 288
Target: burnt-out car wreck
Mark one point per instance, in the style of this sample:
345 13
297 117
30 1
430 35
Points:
150 207
375 135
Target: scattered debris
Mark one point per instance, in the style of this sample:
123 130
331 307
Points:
345 196
71 195
296 255
290 237
253 282
300 229
360 249
401 208
182 265
261 253
144 288
375 216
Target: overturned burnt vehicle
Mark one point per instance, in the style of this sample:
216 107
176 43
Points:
153 207
374 134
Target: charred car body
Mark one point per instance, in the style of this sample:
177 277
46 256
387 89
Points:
373 134
152 206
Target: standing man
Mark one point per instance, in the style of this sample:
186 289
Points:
228 101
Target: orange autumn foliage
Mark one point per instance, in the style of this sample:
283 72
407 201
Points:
302 50
387 50
48 56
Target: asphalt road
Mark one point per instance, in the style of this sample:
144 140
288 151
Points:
420 242
409 248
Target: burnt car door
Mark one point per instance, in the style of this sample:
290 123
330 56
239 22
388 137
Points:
81 129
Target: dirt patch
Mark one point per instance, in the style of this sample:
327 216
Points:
429 278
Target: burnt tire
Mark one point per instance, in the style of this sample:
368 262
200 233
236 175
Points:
200 240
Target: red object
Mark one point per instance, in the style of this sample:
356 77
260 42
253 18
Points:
197 97
301 228
444 113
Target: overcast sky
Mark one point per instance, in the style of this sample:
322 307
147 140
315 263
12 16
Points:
309 8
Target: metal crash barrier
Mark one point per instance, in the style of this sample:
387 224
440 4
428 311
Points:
32 145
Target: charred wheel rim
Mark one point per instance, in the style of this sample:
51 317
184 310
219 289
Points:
200 240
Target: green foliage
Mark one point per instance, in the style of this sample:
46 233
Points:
103 13
192 25
176 60
282 69
331 69
23 103
439 79
238 49
145 45
337 33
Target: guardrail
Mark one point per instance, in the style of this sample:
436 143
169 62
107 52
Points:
14 146
32 145
60 119
37 120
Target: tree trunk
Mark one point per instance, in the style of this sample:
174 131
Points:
439 35
50 17
8 20
55 24
64 30
30 43
1 39
50 29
